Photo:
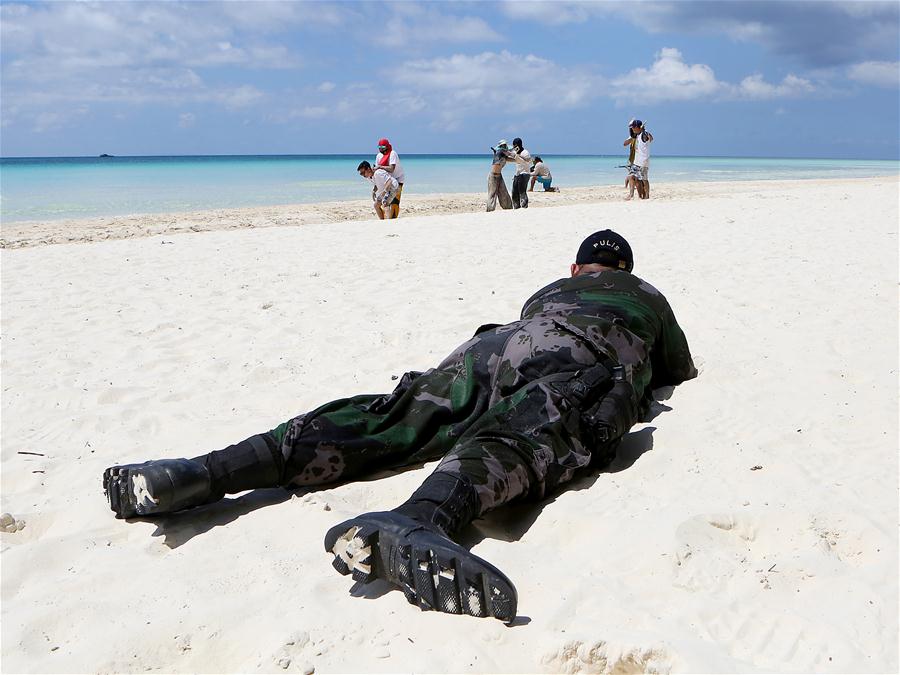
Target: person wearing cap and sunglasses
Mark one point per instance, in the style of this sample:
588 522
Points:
633 177
388 160
512 413
639 159
497 191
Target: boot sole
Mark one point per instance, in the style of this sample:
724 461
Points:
128 491
433 572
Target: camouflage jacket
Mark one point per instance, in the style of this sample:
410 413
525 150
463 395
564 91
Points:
624 317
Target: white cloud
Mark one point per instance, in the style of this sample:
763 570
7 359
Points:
555 13
51 121
186 120
163 86
413 23
362 100
271 17
326 87
668 79
236 97
47 120
820 34
184 80
671 79
878 73
755 87
134 52
494 81
311 112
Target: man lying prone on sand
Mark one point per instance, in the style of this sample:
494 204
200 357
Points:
512 413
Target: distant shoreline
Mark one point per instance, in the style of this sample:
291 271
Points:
101 187
84 230
366 153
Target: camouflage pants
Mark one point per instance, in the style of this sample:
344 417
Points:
517 410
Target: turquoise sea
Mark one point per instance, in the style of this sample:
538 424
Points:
74 187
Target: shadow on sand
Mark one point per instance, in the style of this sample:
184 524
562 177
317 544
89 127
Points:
506 524
513 521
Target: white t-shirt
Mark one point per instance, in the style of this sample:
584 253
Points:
641 151
394 159
523 162
385 184
540 169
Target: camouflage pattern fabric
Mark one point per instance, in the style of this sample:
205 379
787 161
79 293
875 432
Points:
651 344
519 407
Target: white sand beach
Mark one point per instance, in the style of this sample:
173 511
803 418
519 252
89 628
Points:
66 231
752 525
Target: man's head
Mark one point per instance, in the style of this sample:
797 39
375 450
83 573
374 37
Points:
502 144
384 146
365 170
635 125
603 250
517 143
537 159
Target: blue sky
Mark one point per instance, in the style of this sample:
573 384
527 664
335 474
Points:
777 79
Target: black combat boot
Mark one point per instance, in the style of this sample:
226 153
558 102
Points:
160 486
445 501
166 485
410 547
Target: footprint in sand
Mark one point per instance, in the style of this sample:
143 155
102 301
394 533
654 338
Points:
577 656
790 583
294 654
712 549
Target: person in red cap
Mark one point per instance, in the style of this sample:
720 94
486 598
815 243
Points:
388 160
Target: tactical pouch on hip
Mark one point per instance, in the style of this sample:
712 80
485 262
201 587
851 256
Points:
611 418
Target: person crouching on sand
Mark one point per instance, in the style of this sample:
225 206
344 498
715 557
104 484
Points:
540 172
386 191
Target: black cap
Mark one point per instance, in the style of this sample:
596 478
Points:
606 248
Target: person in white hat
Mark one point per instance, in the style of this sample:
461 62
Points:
496 186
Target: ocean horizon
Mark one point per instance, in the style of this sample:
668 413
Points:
55 188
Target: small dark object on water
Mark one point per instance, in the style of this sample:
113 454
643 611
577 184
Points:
26 452
105 155
756 468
